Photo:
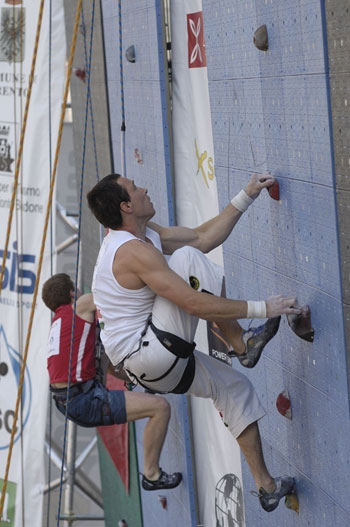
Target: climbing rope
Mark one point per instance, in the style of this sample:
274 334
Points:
47 217
122 104
51 262
88 70
87 104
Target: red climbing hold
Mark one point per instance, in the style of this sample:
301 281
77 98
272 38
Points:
163 501
283 404
274 191
80 73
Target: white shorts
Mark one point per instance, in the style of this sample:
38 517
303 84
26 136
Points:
231 392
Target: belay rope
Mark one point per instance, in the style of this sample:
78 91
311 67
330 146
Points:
122 104
88 106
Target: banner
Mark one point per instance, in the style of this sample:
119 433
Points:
218 465
18 24
195 185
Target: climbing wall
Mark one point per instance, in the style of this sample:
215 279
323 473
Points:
285 110
139 91
91 136
271 111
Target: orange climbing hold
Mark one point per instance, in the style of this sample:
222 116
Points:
291 502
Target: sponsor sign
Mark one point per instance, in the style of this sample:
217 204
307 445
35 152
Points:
18 24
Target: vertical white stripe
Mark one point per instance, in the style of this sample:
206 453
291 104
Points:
81 350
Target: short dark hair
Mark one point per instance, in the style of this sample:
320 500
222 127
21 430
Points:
56 291
104 201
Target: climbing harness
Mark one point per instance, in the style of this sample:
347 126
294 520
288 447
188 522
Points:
178 347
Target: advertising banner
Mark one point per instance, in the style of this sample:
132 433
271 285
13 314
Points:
218 465
196 193
18 25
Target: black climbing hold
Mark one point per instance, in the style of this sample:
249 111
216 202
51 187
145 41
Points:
260 38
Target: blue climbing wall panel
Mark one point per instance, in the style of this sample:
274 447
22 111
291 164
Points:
148 161
147 150
271 111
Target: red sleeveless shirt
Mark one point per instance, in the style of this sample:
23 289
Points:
83 356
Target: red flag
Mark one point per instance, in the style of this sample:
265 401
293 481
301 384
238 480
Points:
116 438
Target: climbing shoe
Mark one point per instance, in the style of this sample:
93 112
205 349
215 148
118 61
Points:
269 500
165 481
255 339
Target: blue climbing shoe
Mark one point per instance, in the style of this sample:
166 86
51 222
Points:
255 339
269 500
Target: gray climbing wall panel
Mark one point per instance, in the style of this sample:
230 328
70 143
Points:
90 123
271 111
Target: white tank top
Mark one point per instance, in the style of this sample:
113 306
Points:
124 311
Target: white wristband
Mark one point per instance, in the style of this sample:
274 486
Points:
242 201
256 309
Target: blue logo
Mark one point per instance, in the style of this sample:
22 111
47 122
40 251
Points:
10 370
19 276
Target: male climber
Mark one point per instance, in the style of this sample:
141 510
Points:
151 306
89 403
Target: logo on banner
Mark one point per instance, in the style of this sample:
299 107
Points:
196 47
10 370
6 141
12 33
229 509
19 276
205 165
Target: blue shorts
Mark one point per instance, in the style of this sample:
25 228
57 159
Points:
97 406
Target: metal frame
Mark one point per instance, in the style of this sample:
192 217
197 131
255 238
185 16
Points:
73 475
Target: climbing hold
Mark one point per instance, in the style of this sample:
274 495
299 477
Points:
301 324
291 502
3 369
130 54
274 190
260 38
283 404
80 73
163 501
138 156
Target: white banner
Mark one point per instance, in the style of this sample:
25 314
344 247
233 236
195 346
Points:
196 193
18 23
217 455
